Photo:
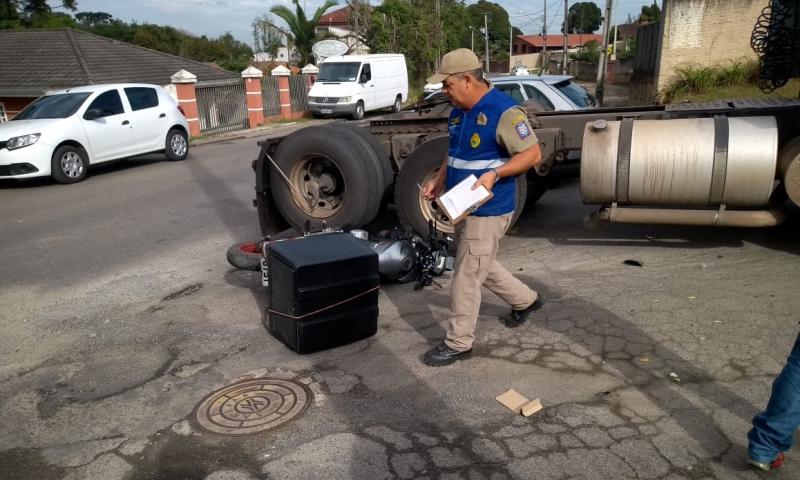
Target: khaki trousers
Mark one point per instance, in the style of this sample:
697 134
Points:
478 239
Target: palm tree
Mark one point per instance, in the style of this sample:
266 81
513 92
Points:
301 27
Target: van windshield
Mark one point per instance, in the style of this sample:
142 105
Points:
61 105
338 72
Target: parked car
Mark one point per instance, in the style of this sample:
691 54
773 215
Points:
64 132
549 92
354 84
431 88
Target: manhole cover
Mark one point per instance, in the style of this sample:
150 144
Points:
252 406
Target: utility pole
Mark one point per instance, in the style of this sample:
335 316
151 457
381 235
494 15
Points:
566 32
510 43
438 34
546 67
601 68
486 37
472 39
616 28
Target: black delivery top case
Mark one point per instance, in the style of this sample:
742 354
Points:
323 291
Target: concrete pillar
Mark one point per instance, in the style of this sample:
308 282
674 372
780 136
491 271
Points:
283 90
311 72
187 99
255 103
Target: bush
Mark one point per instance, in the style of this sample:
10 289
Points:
696 79
588 53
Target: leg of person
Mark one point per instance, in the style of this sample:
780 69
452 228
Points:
476 251
522 299
773 429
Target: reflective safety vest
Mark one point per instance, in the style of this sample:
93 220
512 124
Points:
474 150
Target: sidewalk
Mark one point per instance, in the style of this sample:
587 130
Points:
273 128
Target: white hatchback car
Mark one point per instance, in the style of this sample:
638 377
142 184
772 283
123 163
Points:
63 132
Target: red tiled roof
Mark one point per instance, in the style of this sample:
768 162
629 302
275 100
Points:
337 17
573 40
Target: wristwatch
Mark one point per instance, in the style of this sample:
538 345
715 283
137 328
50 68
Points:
496 174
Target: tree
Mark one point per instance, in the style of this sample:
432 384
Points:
584 17
30 13
499 26
90 19
650 13
302 28
266 36
589 52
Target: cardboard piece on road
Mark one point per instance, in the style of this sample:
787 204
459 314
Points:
519 403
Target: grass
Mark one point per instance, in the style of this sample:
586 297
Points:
747 90
696 82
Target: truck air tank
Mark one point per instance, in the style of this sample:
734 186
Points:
698 162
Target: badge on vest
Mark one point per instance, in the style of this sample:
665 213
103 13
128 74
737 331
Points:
455 120
522 130
482 120
475 140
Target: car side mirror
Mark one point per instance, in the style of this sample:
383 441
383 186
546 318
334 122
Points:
363 78
94 113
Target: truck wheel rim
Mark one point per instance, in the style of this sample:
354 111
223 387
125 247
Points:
318 186
71 165
431 211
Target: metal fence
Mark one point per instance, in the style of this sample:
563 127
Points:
298 92
222 105
644 61
270 96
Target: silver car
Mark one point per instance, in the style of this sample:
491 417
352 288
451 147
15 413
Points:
550 92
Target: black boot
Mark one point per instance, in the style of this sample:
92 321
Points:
518 317
442 355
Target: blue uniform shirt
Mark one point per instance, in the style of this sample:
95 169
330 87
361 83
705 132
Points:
474 150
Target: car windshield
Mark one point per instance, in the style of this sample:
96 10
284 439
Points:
61 105
338 72
579 96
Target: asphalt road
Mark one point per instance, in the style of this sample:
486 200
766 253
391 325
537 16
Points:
121 315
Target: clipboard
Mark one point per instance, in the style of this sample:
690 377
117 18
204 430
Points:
457 204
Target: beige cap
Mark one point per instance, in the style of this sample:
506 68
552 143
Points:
458 61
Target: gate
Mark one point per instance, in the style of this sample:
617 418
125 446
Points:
644 62
222 105
298 92
270 96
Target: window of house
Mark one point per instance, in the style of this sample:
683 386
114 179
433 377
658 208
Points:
3 116
141 97
109 102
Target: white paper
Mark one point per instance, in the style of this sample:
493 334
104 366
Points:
462 197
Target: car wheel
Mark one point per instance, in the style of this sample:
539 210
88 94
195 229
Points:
326 177
398 104
358 113
245 256
177 145
69 164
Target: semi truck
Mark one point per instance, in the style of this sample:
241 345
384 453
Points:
724 163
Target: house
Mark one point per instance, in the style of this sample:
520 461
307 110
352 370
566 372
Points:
282 57
527 50
338 24
36 61
526 44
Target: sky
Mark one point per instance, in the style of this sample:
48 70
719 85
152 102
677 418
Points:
215 17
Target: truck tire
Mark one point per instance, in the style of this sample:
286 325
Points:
334 179
358 111
414 211
381 159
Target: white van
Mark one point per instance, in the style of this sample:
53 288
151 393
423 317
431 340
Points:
354 84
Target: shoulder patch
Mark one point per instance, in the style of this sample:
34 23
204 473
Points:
522 129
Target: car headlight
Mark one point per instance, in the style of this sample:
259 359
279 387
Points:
345 99
22 141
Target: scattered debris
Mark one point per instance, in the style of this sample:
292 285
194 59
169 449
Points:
717 321
633 263
674 377
644 359
692 297
518 403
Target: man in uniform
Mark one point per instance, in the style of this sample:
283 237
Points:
491 138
